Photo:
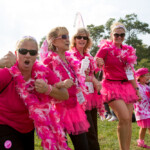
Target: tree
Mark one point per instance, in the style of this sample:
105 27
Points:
96 33
134 27
143 63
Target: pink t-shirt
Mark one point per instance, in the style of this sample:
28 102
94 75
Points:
114 69
13 111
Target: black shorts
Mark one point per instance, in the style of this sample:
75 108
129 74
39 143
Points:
10 139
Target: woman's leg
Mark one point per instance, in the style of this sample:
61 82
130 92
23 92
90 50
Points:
92 132
149 131
107 109
94 118
142 133
122 111
28 138
130 108
79 141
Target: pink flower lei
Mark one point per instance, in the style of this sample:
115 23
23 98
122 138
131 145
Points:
73 63
45 117
56 60
93 66
126 54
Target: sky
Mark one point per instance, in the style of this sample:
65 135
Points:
36 18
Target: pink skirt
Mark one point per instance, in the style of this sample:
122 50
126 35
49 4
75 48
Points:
145 123
93 101
116 90
74 119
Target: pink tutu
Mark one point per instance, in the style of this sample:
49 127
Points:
115 90
74 119
93 101
144 123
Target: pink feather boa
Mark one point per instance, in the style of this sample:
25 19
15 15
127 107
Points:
45 117
127 54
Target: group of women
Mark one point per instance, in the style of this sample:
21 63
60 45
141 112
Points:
55 98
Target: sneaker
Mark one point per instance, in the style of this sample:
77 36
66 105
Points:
141 144
113 118
108 117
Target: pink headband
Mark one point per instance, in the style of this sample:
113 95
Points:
119 26
141 72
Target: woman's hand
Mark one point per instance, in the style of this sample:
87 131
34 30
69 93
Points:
97 84
41 86
99 62
68 83
64 84
8 60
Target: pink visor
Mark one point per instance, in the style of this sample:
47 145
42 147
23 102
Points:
141 72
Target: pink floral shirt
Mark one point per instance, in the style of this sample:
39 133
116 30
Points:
142 108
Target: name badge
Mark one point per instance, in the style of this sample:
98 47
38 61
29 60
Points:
129 73
80 96
90 87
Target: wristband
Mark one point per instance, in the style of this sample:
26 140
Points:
91 78
137 88
49 90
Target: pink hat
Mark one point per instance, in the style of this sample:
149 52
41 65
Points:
141 72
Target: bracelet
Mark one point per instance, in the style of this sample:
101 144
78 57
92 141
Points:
49 90
91 78
137 88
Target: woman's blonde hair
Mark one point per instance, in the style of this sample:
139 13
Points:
79 32
117 25
26 38
53 34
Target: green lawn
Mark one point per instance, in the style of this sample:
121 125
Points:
107 137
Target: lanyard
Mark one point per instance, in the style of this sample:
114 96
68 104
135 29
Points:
69 72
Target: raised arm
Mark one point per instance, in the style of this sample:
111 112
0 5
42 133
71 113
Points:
8 60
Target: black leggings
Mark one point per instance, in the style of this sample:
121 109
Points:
10 139
92 134
79 141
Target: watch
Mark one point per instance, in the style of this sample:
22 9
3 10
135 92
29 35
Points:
137 88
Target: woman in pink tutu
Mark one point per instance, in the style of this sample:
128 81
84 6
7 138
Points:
80 46
142 108
119 88
72 115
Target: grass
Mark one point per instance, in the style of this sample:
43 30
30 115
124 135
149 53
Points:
107 136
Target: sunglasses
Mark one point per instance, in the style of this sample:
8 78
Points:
25 51
63 37
122 35
82 37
